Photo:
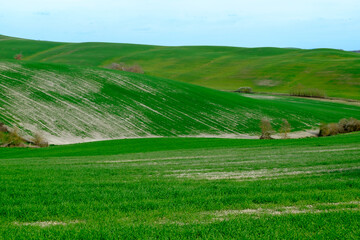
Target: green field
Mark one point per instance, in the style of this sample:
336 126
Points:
178 169
69 104
225 68
189 188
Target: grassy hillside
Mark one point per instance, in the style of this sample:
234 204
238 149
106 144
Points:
183 189
72 104
227 68
9 46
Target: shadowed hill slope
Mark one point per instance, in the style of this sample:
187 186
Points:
72 104
336 72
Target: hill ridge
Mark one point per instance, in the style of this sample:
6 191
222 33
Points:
265 69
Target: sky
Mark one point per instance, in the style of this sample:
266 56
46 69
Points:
251 23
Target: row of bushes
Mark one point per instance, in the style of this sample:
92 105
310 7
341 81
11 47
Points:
301 91
298 91
123 67
12 138
329 129
343 126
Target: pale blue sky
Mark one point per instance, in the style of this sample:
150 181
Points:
256 23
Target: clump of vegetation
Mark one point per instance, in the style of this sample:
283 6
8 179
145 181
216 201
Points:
12 138
285 128
4 139
301 91
343 126
350 125
40 141
15 138
266 129
3 128
244 90
4 134
18 56
127 68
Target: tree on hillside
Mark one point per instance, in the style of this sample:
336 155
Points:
266 129
285 128
39 140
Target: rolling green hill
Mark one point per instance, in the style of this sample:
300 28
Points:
69 104
336 72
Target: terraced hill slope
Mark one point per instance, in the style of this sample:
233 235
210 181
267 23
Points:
73 104
336 72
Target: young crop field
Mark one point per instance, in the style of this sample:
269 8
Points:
183 188
335 72
69 104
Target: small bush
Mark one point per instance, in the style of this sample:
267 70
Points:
18 56
244 90
285 128
329 129
301 91
266 129
116 66
40 141
134 69
3 128
343 126
4 139
127 68
12 138
15 138
350 125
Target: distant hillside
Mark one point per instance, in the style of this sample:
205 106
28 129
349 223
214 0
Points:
336 72
72 104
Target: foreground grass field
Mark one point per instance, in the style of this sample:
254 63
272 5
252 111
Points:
70 104
336 72
183 188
